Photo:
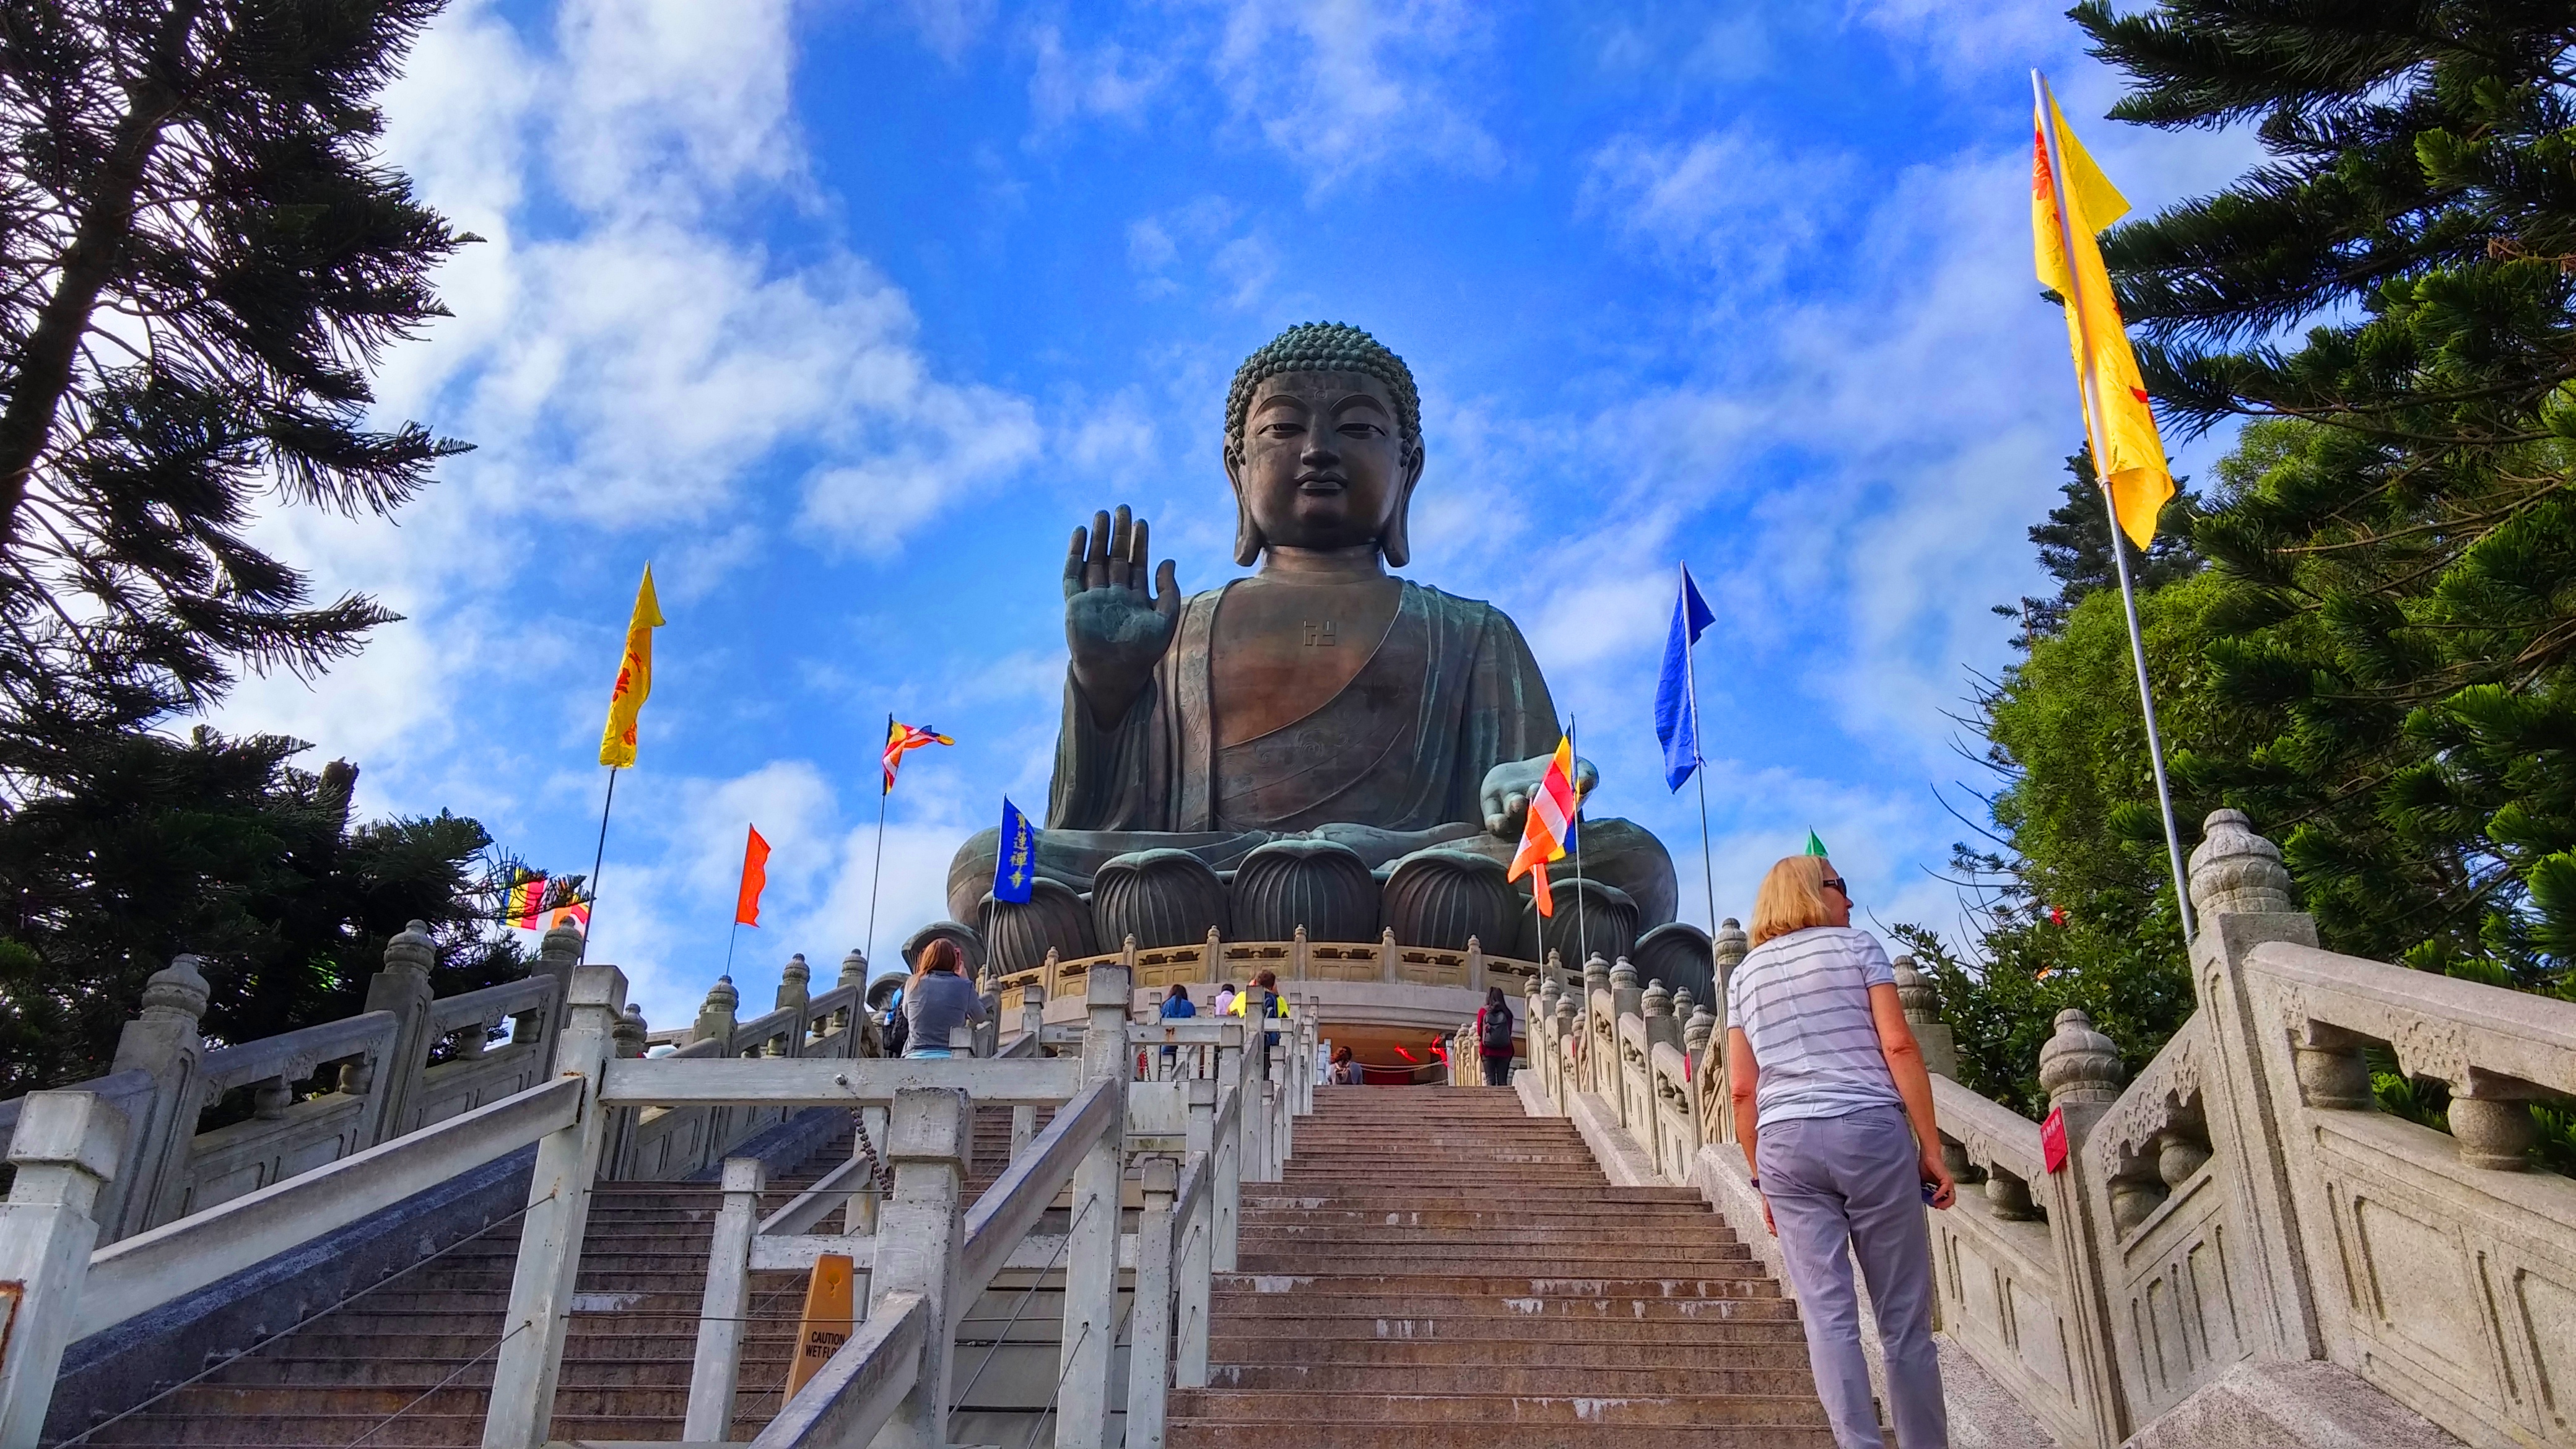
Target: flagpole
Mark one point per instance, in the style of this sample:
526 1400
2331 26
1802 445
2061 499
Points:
1699 761
2092 390
876 872
1574 786
730 939
597 858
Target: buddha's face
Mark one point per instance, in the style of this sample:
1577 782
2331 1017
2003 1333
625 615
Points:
1323 464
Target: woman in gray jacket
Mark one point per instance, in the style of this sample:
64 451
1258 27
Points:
938 999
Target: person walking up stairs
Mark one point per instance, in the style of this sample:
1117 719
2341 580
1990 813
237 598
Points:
1438 1269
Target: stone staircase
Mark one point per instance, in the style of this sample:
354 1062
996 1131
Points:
1439 1269
410 1362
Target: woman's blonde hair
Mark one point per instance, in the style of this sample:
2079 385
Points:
1792 898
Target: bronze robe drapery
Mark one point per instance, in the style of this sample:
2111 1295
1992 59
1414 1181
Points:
1479 701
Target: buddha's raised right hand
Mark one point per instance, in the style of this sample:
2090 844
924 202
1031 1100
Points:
1116 633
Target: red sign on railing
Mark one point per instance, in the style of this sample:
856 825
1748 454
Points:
2052 1142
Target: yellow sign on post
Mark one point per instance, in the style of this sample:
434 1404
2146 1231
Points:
826 1324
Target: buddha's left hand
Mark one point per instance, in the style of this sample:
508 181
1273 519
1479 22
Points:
1509 786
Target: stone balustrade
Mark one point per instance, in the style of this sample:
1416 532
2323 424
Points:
2242 1201
1193 1134
326 1092
1294 960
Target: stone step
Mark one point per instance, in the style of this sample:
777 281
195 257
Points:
1311 1203
1522 1410
1418 1317
417 1428
763 1338
1368 1197
1305 1432
384 1401
1451 1251
1495 1229
1538 1379
1465 1294
1563 1344
762 1362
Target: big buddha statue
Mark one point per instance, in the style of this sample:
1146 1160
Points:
1320 699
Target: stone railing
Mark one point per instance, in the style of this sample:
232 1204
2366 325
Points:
314 1096
410 1061
1622 1057
1296 959
654 1144
1192 1134
2242 1201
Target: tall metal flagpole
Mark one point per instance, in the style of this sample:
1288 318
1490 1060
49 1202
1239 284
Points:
876 872
597 858
1699 762
2093 423
1573 785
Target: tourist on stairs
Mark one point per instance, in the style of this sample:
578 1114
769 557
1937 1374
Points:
1346 1069
938 999
1494 1037
1834 1109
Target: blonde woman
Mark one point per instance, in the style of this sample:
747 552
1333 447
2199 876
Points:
1834 1109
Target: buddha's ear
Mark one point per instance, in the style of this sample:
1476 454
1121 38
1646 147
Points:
1248 541
1396 542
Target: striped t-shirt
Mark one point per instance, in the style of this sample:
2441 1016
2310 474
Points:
1803 1002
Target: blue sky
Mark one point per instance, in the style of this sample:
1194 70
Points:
842 314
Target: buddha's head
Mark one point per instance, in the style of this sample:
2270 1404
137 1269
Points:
1323 442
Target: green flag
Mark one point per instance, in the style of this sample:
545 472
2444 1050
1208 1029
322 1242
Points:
1814 846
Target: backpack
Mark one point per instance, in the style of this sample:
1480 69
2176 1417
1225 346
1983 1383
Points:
1495 1033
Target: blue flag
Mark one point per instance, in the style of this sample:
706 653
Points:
1015 871
1676 711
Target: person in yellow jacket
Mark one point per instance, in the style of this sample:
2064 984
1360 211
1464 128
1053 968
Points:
1265 986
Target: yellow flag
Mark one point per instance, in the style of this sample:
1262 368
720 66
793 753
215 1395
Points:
2127 453
634 678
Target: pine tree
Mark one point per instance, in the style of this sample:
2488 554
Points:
2075 548
200 261
223 847
2395 533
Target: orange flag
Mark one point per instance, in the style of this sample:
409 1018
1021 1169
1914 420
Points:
755 876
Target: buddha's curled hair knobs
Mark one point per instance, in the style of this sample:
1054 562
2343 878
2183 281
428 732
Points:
1324 347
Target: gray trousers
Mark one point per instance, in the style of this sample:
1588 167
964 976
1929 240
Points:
1852 1180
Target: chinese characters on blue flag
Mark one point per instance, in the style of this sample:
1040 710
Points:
1015 872
1676 702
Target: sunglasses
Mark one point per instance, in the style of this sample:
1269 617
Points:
1835 882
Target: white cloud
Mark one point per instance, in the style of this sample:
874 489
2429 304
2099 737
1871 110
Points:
1108 81
1345 85
949 28
622 357
663 105
1733 201
1961 39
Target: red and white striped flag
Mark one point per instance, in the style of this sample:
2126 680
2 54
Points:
1549 829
